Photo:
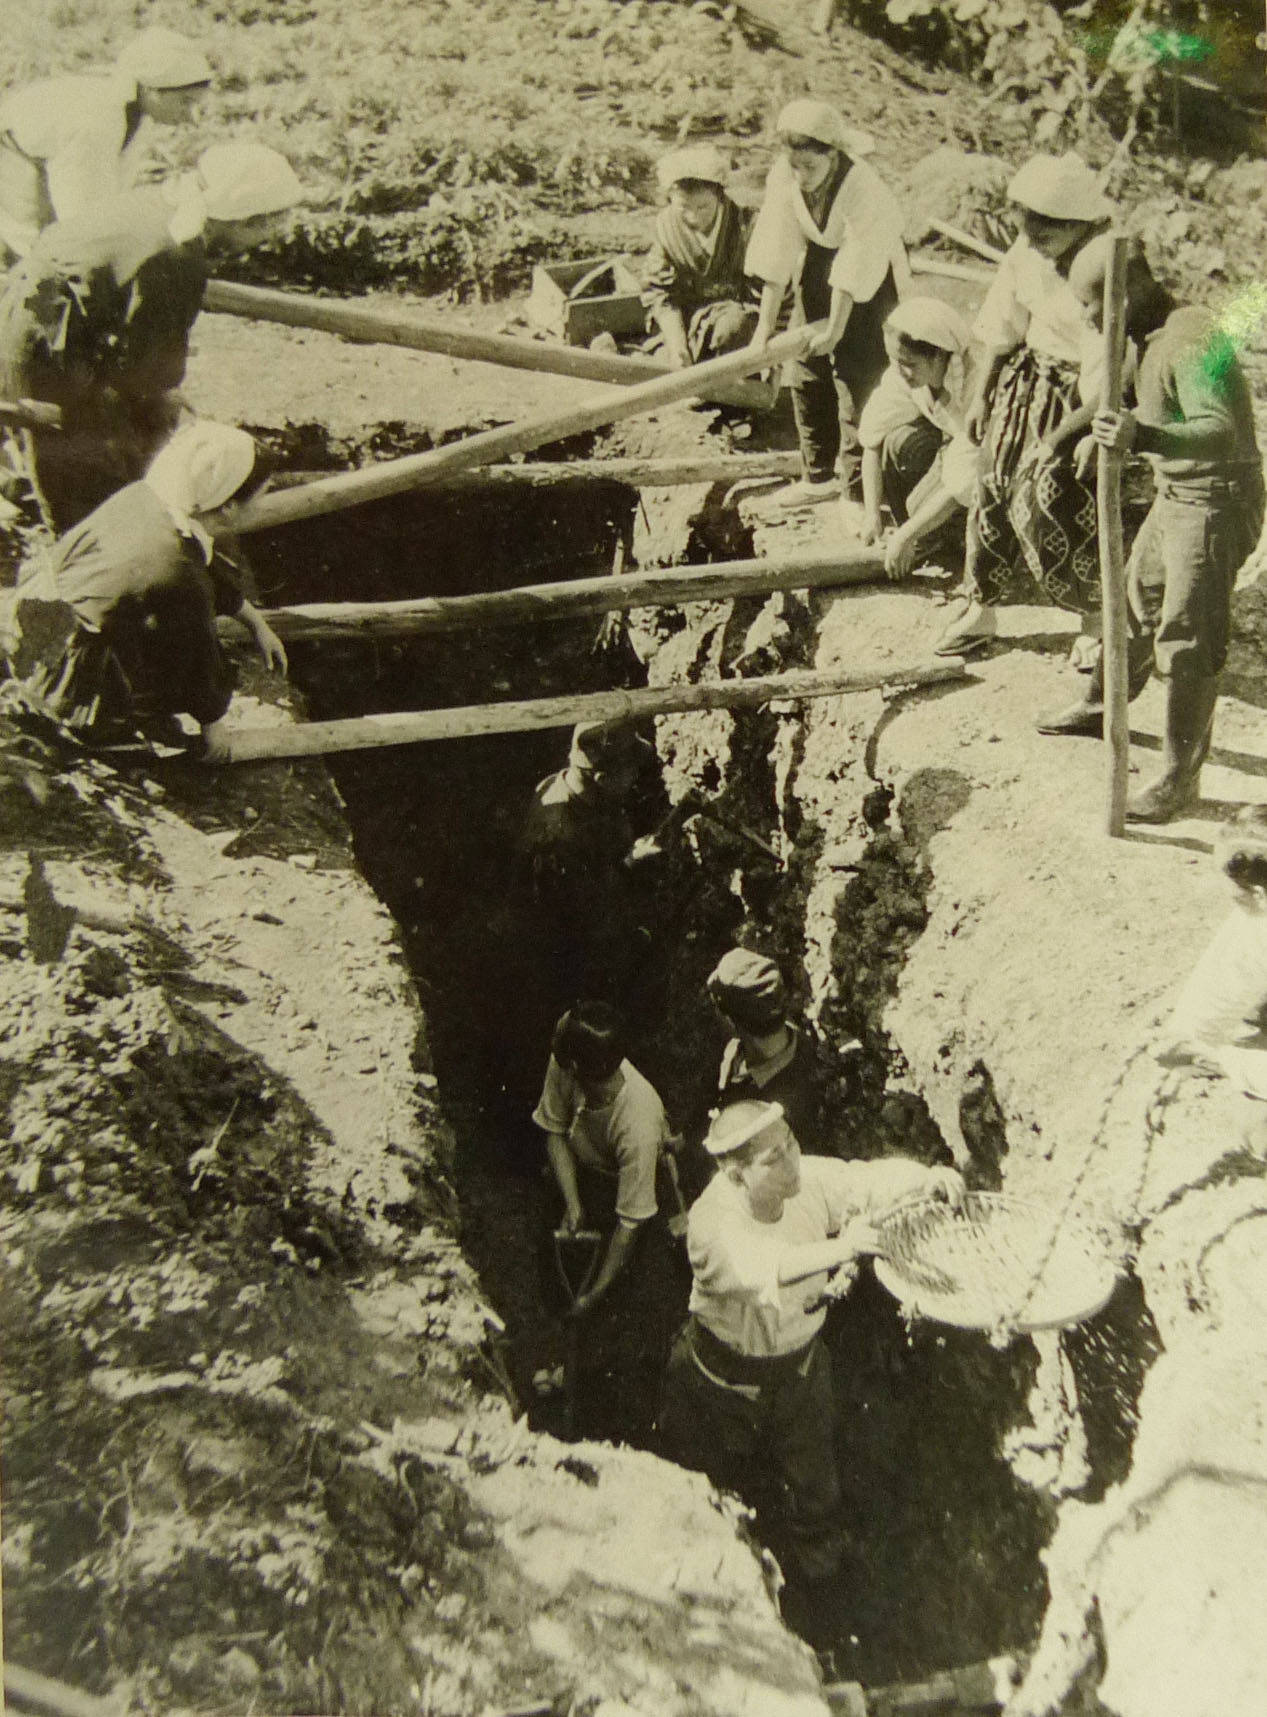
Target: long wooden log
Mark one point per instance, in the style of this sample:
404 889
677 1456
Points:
33 1691
729 468
968 241
568 599
409 727
1117 735
395 476
949 270
393 325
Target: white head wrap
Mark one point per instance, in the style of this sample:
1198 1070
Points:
161 59
932 322
824 124
242 180
734 1125
701 161
1062 187
198 470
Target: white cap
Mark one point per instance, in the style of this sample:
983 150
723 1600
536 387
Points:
700 161
931 322
825 124
1062 187
242 180
160 59
737 1123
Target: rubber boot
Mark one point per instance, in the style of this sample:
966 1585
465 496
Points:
1086 714
1190 700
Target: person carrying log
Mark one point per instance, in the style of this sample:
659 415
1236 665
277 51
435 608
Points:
1031 510
918 464
696 292
97 319
830 229
748 1397
116 628
605 1129
69 144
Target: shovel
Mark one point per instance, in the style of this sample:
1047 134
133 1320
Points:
576 1258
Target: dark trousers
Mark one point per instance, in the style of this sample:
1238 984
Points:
771 1430
1183 569
907 458
829 392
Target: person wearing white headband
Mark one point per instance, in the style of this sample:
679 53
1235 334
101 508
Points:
918 466
696 293
1030 511
748 1395
117 628
829 229
97 319
70 143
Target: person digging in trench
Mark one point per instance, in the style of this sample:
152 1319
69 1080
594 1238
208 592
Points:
1195 423
696 293
748 1396
605 1129
115 630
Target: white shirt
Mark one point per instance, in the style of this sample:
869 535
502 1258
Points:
863 226
735 1258
622 1140
894 404
75 128
1030 301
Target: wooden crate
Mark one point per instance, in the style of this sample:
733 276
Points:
617 309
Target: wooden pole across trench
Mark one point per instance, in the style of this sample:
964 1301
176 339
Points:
568 599
408 727
393 325
1112 567
395 476
634 473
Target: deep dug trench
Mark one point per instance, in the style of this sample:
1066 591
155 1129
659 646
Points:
953 1450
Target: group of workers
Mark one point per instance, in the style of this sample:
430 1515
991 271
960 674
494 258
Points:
980 441
115 629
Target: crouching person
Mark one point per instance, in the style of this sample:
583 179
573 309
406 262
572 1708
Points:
696 293
748 1397
605 1128
116 629
918 465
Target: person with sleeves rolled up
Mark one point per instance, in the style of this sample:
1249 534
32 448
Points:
748 1396
116 629
696 291
830 229
68 144
97 319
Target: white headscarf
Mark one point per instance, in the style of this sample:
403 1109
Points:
233 182
1062 187
160 59
930 321
198 470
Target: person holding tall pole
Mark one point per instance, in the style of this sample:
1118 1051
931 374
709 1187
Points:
1109 458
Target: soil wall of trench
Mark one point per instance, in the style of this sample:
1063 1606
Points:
326 1460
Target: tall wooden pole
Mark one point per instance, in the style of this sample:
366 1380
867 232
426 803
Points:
570 598
408 727
1112 559
395 476
396 325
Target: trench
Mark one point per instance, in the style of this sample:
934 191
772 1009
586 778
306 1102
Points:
943 1564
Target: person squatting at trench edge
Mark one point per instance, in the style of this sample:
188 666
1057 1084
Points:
97 319
1031 510
918 464
1195 424
696 293
831 230
748 1395
1219 1022
605 1129
116 627
68 144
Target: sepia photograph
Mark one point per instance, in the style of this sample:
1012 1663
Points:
633 895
